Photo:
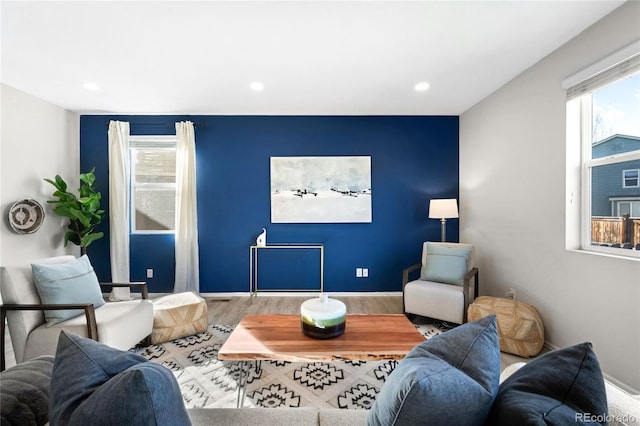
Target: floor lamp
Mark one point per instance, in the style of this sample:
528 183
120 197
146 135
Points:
443 209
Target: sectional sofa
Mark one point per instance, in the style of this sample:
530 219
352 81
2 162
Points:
453 378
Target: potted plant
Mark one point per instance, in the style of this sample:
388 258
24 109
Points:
83 211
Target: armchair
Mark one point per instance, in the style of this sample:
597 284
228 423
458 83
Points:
429 297
118 324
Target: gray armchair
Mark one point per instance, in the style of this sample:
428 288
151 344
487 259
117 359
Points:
118 324
433 299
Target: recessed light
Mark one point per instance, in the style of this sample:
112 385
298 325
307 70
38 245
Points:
256 85
421 86
90 86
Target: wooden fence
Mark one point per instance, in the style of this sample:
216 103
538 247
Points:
620 231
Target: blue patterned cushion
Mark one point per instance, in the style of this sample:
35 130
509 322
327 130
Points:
94 384
562 387
72 282
450 379
446 264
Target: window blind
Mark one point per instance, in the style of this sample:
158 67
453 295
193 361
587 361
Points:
150 142
622 63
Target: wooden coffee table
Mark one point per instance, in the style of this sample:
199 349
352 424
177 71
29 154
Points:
280 337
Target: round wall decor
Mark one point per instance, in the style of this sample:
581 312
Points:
26 216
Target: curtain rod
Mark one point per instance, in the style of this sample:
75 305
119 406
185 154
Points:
132 123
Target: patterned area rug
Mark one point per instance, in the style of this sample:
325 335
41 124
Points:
207 382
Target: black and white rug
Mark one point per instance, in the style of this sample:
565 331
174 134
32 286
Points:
207 382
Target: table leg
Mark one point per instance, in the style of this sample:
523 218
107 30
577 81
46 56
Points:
242 383
244 379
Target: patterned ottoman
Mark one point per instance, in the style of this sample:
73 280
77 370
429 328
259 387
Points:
520 327
178 315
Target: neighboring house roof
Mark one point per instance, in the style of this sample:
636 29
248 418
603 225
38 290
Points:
617 135
615 144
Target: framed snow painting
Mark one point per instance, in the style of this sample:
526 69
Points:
321 189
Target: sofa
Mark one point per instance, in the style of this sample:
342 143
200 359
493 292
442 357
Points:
277 416
427 386
34 377
24 393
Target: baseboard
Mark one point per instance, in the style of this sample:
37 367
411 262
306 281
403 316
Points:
282 294
622 386
299 294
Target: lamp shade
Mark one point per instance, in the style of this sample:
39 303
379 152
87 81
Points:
444 208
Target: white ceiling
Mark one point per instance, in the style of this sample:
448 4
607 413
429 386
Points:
342 58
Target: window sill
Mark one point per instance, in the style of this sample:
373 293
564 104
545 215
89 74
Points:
635 257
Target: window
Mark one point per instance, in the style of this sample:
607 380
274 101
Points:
603 145
631 178
630 207
153 184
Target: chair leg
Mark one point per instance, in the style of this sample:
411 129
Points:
3 318
448 325
146 341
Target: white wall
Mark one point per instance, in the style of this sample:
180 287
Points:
512 192
39 140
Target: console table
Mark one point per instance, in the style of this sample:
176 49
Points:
253 264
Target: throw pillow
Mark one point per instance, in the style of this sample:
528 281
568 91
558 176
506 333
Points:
450 379
24 393
71 282
95 384
561 387
446 264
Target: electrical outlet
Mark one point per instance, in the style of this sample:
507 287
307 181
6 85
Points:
511 294
149 273
365 272
358 272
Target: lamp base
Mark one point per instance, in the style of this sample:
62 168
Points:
443 221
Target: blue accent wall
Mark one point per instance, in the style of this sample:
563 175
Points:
413 159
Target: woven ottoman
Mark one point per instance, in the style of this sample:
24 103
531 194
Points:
520 327
178 315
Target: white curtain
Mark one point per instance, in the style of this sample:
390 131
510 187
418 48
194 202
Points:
119 207
187 269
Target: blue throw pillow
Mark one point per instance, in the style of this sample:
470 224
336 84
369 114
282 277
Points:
450 379
71 282
562 387
94 384
446 264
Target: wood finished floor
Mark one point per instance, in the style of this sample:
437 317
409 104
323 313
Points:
229 311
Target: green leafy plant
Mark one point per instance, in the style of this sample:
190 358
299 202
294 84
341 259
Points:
83 211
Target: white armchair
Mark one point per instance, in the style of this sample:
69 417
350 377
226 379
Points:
118 324
440 300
